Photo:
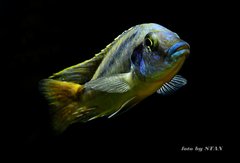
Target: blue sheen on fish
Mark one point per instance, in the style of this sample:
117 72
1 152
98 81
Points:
142 60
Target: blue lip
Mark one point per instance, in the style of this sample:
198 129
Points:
175 47
180 53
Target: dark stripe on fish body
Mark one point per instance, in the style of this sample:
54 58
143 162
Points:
119 55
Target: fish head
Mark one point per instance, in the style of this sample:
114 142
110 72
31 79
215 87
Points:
159 55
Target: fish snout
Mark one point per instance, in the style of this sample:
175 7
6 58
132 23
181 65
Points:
179 49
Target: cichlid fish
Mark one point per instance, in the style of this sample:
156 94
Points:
142 60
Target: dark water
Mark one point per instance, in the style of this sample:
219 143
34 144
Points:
43 37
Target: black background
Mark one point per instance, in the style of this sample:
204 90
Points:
42 37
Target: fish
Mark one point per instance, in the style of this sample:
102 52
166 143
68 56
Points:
141 61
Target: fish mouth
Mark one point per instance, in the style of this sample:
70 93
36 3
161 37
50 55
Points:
178 50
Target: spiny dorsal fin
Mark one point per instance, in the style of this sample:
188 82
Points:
168 88
80 73
106 49
83 72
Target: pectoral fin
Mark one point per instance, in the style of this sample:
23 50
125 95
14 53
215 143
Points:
168 88
112 84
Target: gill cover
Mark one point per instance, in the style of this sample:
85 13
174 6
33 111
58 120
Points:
148 56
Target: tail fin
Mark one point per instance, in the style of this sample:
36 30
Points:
63 99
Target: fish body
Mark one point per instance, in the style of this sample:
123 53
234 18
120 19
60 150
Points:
142 60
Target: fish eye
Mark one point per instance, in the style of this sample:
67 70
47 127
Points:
151 41
148 42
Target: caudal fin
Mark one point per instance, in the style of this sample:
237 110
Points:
63 99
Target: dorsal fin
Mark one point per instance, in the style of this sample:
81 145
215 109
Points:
83 72
80 73
106 49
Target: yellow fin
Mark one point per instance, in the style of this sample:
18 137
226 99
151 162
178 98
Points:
63 99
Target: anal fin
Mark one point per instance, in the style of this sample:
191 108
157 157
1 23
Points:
126 105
